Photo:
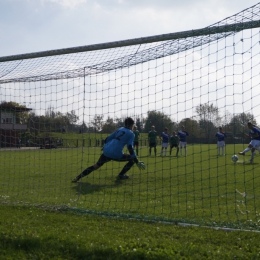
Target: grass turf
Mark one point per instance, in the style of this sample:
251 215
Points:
201 188
36 233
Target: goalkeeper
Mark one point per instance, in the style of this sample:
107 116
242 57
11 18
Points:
113 150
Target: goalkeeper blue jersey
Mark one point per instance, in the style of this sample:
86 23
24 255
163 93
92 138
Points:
116 142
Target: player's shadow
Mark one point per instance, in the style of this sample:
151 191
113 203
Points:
87 188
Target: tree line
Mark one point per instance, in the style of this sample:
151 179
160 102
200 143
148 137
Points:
202 127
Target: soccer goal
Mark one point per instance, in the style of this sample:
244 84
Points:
57 108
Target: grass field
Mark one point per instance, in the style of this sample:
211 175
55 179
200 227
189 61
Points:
44 216
199 189
35 233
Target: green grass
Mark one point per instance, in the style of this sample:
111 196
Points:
35 233
201 188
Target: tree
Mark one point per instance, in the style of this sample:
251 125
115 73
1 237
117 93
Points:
97 122
109 126
192 128
159 120
139 123
206 112
209 119
238 123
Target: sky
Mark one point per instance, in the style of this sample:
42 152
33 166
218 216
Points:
39 25
28 26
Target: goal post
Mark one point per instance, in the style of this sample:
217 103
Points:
57 107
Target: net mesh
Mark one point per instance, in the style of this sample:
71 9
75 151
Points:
57 110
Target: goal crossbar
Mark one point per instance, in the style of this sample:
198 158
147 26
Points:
228 28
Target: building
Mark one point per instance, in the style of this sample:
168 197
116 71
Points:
10 126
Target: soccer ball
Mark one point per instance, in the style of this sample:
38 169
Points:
234 158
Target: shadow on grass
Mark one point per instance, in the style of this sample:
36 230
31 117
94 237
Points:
54 248
86 187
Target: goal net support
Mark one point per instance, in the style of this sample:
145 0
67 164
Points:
57 107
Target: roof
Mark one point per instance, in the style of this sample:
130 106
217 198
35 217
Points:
15 109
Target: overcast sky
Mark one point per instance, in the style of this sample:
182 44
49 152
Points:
38 25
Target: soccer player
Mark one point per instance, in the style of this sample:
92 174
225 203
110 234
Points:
254 134
220 135
174 142
113 150
183 142
136 140
152 135
165 141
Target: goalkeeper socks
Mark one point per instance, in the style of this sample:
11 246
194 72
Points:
127 167
137 151
85 172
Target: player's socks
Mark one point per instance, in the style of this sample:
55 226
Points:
252 157
246 150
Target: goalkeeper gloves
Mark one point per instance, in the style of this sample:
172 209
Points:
141 165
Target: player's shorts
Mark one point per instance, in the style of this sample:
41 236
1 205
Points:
183 144
174 145
136 143
221 143
165 145
104 159
255 143
152 144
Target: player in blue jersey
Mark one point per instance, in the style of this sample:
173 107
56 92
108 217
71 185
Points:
165 141
183 142
254 134
220 135
113 150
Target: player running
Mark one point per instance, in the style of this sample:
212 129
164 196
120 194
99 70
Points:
113 150
152 135
165 141
220 135
136 139
183 143
174 142
254 134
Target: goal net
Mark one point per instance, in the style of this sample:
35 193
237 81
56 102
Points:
57 108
